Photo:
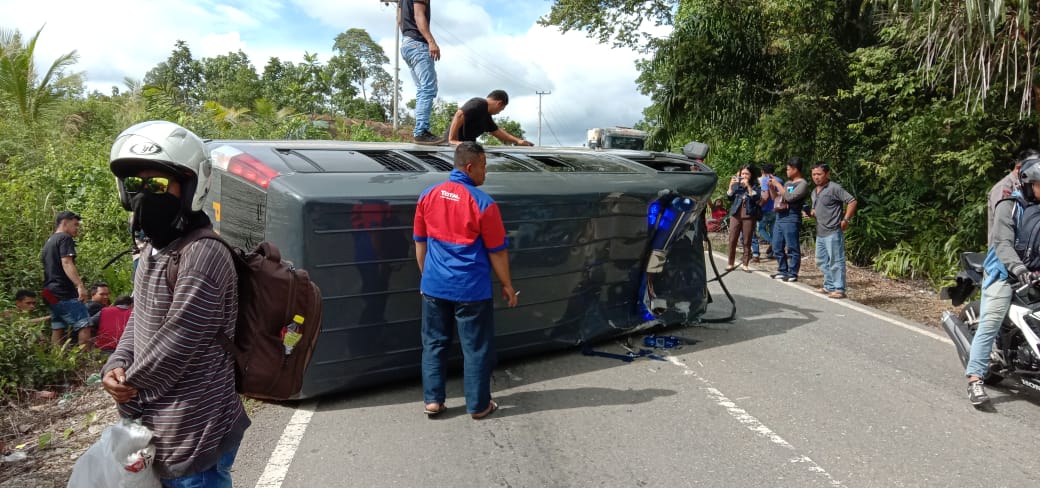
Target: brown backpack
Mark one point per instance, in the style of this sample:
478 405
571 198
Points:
274 297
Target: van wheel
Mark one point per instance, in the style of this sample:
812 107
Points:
970 316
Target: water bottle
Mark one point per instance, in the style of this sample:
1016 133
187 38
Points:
292 333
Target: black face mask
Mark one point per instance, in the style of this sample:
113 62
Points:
158 216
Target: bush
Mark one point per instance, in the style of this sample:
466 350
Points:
28 361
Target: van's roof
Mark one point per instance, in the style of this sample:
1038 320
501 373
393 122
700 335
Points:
325 156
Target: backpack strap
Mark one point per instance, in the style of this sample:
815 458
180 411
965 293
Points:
173 269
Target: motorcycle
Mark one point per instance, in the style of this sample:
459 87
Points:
1016 350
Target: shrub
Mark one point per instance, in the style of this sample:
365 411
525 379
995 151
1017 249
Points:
28 361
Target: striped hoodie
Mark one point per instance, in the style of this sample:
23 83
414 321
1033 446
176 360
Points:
185 380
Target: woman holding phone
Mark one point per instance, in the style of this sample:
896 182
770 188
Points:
744 212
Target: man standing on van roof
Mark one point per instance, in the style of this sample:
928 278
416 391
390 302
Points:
168 368
474 119
459 239
420 50
63 289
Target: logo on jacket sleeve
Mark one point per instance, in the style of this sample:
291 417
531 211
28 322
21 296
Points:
447 195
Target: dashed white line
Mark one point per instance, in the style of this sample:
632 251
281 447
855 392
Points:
285 450
752 423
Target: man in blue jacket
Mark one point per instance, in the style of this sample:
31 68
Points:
459 240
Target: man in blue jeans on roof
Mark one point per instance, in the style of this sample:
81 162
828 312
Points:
419 50
459 240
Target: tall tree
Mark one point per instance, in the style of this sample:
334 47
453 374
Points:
368 57
180 75
21 85
230 80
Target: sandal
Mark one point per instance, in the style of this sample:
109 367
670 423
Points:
435 409
746 268
492 406
731 267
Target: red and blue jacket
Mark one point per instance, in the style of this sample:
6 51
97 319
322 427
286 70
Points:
460 225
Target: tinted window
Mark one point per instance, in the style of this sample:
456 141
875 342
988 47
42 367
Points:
345 161
582 163
500 163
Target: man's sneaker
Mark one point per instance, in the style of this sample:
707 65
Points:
976 393
790 279
427 138
778 276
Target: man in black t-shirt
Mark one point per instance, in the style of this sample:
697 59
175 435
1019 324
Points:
63 289
419 50
473 119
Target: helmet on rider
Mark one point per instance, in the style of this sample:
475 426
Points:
157 152
1028 174
167 147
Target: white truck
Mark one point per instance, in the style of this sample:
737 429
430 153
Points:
616 138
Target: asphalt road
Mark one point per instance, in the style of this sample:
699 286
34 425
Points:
799 391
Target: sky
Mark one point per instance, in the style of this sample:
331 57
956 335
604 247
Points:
485 45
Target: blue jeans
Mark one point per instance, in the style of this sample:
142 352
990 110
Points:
476 327
69 313
765 231
786 248
830 258
996 300
219 476
417 55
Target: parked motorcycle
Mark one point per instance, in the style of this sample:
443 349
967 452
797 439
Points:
1015 351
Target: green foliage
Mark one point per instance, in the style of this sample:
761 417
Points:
504 123
28 361
827 80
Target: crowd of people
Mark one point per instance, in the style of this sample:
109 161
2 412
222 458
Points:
77 315
764 216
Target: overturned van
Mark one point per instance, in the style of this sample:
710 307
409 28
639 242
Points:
601 244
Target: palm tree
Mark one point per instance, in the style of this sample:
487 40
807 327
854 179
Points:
21 87
974 44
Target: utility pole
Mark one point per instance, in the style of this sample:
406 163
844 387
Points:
397 58
540 93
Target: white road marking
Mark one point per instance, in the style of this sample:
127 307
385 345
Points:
285 450
865 310
752 423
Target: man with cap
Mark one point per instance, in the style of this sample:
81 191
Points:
168 369
63 289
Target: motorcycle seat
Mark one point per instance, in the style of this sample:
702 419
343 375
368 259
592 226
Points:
973 261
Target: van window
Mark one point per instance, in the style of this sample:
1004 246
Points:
347 161
670 164
583 163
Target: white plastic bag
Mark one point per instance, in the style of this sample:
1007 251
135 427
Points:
122 458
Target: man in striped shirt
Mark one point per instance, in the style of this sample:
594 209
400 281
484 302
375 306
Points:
169 370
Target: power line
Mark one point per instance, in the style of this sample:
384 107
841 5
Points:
477 59
540 93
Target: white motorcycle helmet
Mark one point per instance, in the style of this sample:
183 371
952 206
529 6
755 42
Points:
166 146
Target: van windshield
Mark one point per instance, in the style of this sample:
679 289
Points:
624 142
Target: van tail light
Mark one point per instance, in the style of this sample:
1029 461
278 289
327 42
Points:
252 170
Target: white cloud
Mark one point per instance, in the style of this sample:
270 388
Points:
591 84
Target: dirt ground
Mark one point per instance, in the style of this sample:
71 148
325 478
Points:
74 424
917 301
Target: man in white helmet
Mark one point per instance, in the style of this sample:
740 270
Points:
168 369
1011 261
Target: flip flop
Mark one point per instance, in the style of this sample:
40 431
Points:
432 412
492 406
